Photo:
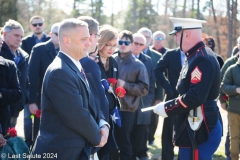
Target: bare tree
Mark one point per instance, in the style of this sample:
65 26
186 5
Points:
217 28
198 9
134 15
184 9
229 14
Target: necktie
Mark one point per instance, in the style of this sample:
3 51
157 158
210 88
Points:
84 75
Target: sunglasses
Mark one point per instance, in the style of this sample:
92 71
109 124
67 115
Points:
35 24
96 35
158 39
120 42
138 44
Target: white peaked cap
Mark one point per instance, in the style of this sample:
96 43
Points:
185 23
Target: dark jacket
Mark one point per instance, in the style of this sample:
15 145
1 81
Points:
170 62
42 56
70 118
10 90
155 57
146 101
22 67
229 84
230 61
135 75
111 73
93 72
29 41
198 85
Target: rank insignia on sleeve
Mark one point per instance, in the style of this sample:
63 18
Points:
196 75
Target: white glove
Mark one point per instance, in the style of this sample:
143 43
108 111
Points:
160 110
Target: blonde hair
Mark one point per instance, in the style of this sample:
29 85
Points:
107 33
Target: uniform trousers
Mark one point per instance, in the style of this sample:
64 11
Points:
206 149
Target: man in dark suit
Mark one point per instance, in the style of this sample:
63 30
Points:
171 62
42 56
93 74
12 35
158 93
142 120
37 27
71 124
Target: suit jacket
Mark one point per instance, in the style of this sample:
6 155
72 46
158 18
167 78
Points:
22 67
146 101
69 122
170 62
156 56
42 56
10 90
29 41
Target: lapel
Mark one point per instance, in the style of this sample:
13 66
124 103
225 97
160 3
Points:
69 62
23 57
142 57
51 49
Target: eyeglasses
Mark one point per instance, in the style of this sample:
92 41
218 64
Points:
55 33
110 46
35 24
138 44
96 35
120 42
158 39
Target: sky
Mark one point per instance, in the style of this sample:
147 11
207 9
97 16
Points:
118 5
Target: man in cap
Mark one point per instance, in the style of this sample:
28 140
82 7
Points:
197 129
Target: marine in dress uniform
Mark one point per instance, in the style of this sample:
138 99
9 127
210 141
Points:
197 129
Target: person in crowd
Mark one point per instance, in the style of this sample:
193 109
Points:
231 87
209 41
172 62
12 35
142 119
198 88
10 92
37 27
133 77
230 61
158 93
42 56
109 69
71 123
93 74
158 42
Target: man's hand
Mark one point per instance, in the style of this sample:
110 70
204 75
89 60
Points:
120 83
157 101
160 110
105 132
2 141
223 105
238 90
33 108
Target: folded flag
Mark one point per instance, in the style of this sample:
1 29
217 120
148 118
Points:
115 115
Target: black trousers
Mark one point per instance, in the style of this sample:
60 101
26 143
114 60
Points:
139 141
123 135
152 126
167 142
